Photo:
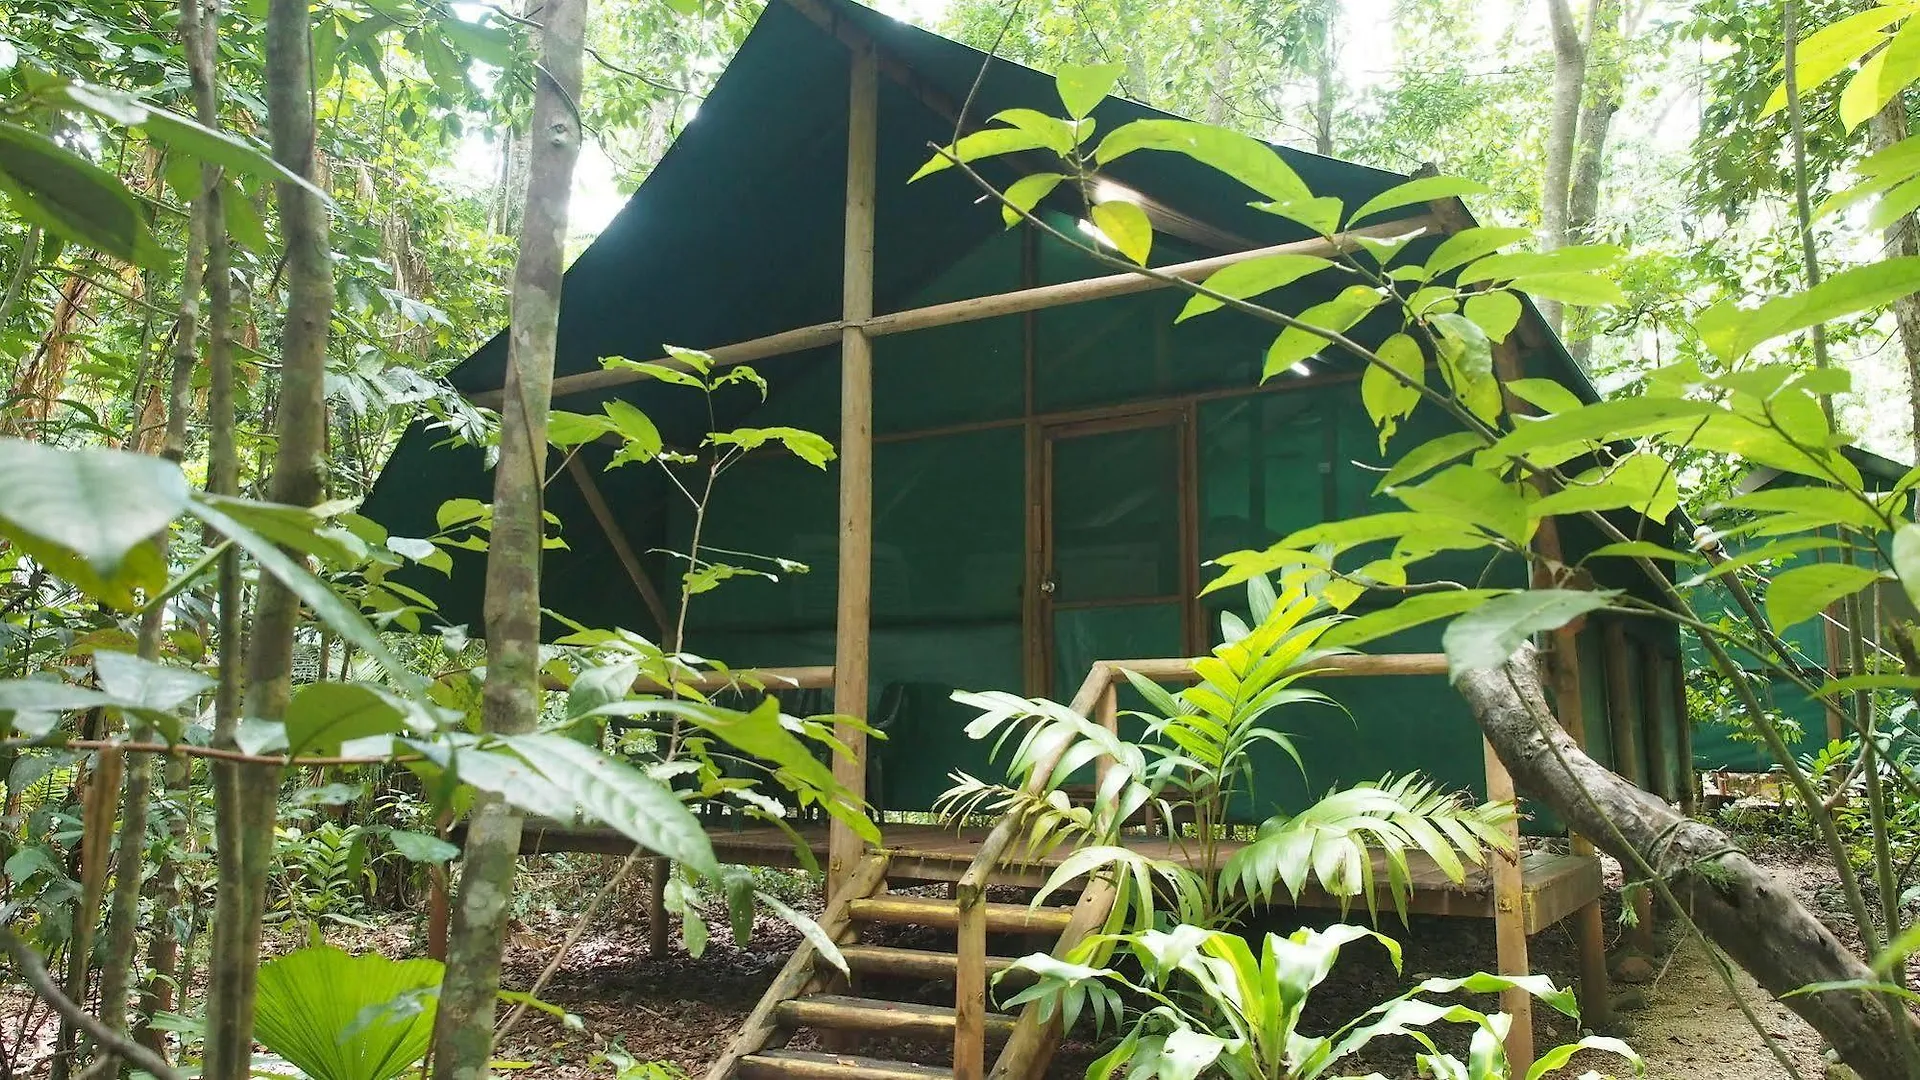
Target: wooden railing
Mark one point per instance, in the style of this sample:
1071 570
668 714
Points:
1097 700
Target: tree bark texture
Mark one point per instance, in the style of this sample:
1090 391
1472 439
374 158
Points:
463 1035
1889 126
1737 904
1603 79
246 793
1569 80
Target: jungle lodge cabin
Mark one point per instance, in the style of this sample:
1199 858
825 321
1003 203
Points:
1034 462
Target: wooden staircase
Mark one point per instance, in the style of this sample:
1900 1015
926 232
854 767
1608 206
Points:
812 996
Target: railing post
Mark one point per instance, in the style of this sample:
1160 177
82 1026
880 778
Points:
970 985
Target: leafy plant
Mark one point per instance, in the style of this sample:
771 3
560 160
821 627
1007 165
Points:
336 1016
1216 1008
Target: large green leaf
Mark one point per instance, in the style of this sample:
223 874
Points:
1641 482
183 134
1799 594
1126 226
1470 494
1425 189
1832 49
147 684
321 716
1488 636
317 594
642 809
1242 280
1082 86
1242 157
51 186
341 1017
1467 245
1732 331
1415 610
1602 421
96 503
1388 399
1338 315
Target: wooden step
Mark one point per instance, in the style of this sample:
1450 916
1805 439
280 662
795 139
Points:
923 911
900 1018
912 963
807 1065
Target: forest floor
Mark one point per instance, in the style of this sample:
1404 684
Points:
681 1012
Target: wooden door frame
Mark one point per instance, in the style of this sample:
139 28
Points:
1182 418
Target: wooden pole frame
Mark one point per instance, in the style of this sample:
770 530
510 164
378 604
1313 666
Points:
1623 709
854 605
994 305
623 550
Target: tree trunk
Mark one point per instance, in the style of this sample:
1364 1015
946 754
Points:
1325 95
246 793
1736 903
1569 81
1604 79
1889 126
463 1035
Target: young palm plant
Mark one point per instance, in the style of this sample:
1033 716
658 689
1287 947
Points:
1196 758
1218 1009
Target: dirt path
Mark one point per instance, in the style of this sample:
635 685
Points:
1689 1026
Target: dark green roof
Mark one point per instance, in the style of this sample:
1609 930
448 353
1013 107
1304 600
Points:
737 233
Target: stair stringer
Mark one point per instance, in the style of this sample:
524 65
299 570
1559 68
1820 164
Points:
869 876
1030 1048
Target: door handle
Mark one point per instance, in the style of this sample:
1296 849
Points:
1047 587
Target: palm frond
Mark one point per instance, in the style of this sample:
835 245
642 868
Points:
1335 842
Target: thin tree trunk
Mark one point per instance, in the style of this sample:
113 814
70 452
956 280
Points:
1605 38
22 270
123 916
463 1036
1759 924
1569 80
1325 89
246 793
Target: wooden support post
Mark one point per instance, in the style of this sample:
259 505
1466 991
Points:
1510 924
1107 714
1689 780
1622 708
1589 922
970 984
657 908
852 615
437 911
1653 674
622 550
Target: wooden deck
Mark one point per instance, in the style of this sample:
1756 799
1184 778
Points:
1554 886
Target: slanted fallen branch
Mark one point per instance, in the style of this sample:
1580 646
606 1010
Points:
1758 923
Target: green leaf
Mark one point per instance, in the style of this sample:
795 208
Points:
1243 280
566 429
1897 204
1425 189
1639 549
1831 50
51 186
343 1017
1466 362
989 143
1429 455
31 706
1496 313
316 594
321 716
822 944
1573 259
1732 332
1126 225
484 42
243 221
186 135
1488 636
98 504
1246 159
421 848
640 439
1544 394
642 809
1083 86
1026 193
1472 495
1388 400
1338 315
1799 594
1882 77
295 528
1052 132
1580 289
147 684
1415 610
1467 245
1321 214
1602 421
805 445
1906 560
1642 482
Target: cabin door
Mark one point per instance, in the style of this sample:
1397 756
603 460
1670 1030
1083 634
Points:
1115 550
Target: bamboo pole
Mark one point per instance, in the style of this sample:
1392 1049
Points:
622 550
970 985
855 602
933 316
